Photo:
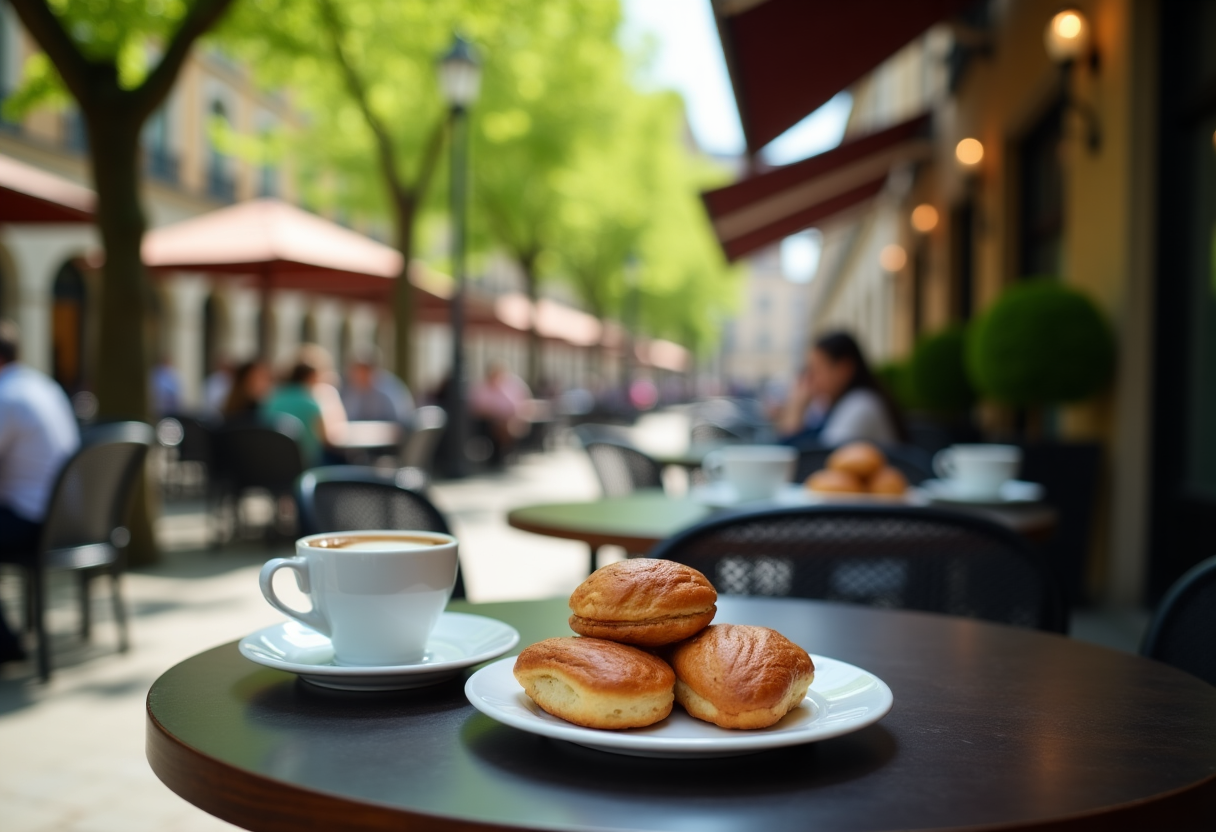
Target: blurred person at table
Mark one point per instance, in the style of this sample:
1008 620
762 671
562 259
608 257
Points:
165 388
838 399
38 434
318 407
216 388
500 400
373 394
251 383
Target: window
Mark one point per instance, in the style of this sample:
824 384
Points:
220 183
160 162
1041 198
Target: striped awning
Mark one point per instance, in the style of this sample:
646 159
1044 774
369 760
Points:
763 209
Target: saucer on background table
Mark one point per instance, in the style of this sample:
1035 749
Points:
723 495
459 641
842 699
1012 493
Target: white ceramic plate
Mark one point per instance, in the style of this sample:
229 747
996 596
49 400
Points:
1012 492
459 641
842 699
722 495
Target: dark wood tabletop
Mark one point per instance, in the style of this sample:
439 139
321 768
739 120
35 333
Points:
640 520
992 727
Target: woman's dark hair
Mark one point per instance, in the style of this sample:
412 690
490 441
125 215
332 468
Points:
301 373
841 346
239 401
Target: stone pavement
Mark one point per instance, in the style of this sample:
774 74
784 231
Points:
71 752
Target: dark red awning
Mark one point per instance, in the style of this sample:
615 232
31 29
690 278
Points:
28 194
788 57
765 208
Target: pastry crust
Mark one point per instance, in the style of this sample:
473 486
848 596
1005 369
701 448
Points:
888 480
596 683
741 676
860 459
834 482
643 601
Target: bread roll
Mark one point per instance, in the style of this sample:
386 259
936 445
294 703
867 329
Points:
888 480
835 482
739 676
858 458
596 683
643 601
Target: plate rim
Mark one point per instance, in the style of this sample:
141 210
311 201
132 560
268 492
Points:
730 742
379 670
932 492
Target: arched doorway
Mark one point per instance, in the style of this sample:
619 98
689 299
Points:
215 332
69 307
308 329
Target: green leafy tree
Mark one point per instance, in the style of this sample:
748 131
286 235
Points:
95 49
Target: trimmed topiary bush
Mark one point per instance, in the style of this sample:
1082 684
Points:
938 372
1041 343
896 380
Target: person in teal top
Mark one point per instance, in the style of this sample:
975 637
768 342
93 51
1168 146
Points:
295 398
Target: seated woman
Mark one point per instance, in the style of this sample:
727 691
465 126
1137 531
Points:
838 399
317 406
250 385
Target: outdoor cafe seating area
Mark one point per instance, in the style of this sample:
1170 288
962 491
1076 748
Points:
850 577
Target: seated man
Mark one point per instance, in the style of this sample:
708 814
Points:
37 436
372 394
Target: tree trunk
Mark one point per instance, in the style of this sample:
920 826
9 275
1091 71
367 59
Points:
122 372
532 289
404 298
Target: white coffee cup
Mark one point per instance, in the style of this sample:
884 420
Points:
978 471
754 471
376 594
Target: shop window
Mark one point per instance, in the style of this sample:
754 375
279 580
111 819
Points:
1041 198
69 299
962 266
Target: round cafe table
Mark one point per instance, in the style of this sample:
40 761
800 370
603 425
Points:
992 727
639 521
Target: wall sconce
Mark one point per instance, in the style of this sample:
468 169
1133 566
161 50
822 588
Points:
1067 41
924 218
892 257
969 152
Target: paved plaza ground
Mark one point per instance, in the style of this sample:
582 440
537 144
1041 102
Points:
72 751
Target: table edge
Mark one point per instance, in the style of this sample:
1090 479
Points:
242 797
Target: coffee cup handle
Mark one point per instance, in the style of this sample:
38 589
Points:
943 464
311 618
712 465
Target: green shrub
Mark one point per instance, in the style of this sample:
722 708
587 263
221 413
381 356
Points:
1041 343
895 377
938 372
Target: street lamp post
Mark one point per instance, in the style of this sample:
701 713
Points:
459 81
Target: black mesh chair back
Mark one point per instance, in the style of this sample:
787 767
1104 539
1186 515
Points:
899 557
425 432
594 432
259 456
1183 632
84 527
622 469
912 462
345 498
194 438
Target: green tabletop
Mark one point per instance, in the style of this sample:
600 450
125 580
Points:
637 521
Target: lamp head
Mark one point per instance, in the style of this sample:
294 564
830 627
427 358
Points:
969 152
1067 36
924 218
460 74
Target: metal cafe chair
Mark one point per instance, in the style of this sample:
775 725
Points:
899 557
253 454
1183 631
622 469
84 529
346 498
419 446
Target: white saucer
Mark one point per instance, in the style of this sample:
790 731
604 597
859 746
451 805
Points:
842 699
723 495
459 641
1012 493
